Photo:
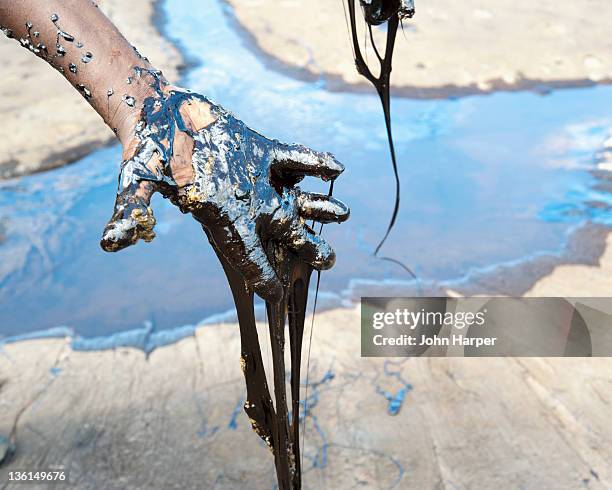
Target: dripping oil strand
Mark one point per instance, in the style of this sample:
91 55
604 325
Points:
295 276
386 103
268 421
382 84
312 322
383 87
385 98
271 420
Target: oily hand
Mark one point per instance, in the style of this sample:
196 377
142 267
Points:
238 184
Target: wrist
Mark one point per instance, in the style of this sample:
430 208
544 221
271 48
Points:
128 112
129 100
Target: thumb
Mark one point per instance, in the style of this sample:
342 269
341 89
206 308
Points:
132 217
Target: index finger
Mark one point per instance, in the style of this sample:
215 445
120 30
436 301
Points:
298 160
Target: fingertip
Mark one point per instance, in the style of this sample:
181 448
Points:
345 214
322 208
269 289
300 160
338 212
108 246
327 259
332 165
116 237
338 165
131 221
317 252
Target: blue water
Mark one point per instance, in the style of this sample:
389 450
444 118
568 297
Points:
485 180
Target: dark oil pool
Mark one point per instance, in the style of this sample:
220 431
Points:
486 180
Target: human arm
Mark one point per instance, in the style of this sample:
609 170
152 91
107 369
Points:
237 183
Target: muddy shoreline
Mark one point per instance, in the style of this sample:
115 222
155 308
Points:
436 57
337 83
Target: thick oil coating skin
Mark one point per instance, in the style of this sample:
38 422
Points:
377 12
238 184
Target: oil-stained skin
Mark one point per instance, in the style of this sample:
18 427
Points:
243 189
240 185
377 12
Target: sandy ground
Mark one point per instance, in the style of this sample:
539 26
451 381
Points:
53 127
116 419
449 48
578 280
584 280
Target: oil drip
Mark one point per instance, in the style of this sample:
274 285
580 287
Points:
312 324
377 12
271 421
